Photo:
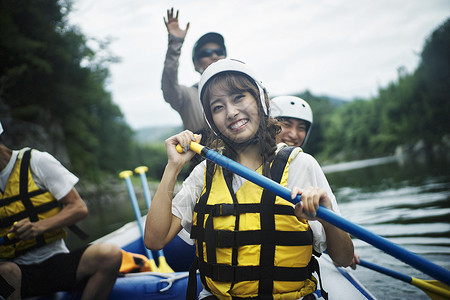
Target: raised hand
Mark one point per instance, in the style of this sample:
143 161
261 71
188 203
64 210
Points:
173 26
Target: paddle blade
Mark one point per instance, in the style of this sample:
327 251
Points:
134 262
436 290
153 266
164 266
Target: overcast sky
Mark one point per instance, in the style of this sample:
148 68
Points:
342 48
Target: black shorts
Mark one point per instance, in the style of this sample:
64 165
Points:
58 273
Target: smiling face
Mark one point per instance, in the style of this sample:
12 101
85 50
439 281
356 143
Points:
231 107
293 131
235 115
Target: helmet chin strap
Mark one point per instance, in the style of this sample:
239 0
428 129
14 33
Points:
263 100
237 146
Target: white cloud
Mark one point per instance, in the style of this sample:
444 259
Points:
342 48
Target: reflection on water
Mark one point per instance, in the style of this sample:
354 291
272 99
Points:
409 204
358 164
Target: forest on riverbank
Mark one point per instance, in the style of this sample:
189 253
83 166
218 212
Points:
53 97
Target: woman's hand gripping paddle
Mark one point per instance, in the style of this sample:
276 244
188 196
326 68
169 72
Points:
414 260
126 175
162 263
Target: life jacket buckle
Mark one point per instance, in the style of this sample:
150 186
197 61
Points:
224 209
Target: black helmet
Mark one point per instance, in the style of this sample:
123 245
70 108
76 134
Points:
210 37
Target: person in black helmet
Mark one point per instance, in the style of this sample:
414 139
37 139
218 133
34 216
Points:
208 49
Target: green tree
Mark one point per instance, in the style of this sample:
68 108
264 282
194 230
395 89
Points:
433 86
50 77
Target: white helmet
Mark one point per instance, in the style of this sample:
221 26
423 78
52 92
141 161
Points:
292 107
225 65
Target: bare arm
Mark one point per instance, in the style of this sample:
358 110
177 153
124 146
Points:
339 244
74 210
161 225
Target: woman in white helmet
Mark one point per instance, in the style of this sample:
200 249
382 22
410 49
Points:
296 118
250 243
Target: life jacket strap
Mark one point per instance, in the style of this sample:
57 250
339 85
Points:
314 266
228 209
9 221
9 200
191 292
227 273
233 239
32 211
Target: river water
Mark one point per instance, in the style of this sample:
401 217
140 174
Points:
406 202
409 204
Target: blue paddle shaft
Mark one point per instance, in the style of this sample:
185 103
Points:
429 268
137 213
148 199
383 270
145 189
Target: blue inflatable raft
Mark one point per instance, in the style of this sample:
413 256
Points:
338 282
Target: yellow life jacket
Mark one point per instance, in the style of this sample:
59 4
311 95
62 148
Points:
251 244
23 199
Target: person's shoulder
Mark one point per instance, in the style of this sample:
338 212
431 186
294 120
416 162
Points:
296 153
38 155
280 146
44 161
196 177
305 159
199 170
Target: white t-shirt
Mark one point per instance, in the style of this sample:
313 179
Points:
304 171
49 174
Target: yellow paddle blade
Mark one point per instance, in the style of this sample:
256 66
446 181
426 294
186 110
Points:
125 174
164 266
141 169
153 266
436 290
